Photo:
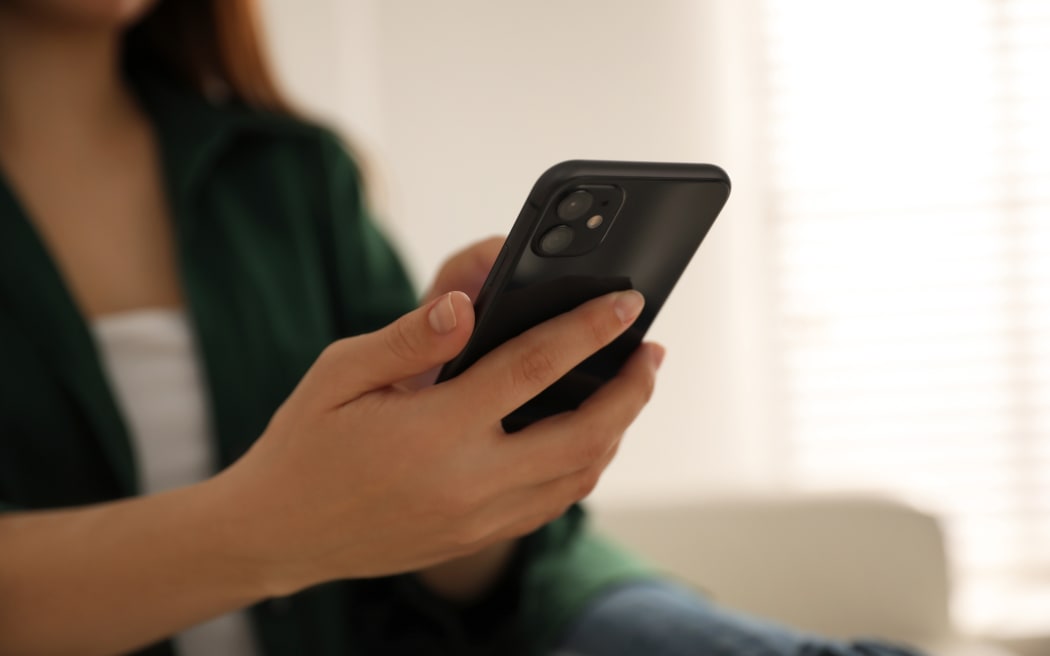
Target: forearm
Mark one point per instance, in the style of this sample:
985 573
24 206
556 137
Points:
469 577
119 575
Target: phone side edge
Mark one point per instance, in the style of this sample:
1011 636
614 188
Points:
517 240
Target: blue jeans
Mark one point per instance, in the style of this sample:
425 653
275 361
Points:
656 618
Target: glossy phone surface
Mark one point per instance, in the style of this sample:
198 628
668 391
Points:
589 228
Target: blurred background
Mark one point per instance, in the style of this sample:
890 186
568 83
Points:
871 313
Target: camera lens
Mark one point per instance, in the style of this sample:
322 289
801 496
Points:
575 205
556 240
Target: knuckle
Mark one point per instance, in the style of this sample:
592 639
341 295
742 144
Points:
540 520
591 448
555 514
480 258
456 504
452 552
331 360
400 340
455 264
467 535
647 388
587 482
600 328
335 351
451 262
613 450
536 367
561 511
521 528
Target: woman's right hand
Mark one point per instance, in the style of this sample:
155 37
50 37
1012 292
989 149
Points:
356 476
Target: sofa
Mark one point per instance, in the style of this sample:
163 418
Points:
839 566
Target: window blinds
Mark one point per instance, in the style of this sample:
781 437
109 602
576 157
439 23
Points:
908 149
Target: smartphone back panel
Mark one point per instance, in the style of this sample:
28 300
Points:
589 228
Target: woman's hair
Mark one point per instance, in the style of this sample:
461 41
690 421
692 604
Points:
209 45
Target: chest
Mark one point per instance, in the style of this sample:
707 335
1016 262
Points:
101 210
249 263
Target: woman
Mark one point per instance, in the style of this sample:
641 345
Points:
190 284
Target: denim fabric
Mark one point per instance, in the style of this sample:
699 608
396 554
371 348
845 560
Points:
655 618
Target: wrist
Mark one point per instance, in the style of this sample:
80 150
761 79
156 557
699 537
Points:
244 537
468 578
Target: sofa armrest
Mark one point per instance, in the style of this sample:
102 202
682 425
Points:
839 566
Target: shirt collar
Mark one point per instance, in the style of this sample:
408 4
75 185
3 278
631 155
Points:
193 132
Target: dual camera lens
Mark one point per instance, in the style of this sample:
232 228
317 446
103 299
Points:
566 237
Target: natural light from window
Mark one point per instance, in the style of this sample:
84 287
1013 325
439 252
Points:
909 163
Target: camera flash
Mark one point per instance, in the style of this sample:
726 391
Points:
594 221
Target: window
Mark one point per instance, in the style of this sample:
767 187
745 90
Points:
909 213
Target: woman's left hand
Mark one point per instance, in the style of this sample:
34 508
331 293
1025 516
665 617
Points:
467 577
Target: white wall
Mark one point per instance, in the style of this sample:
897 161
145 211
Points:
461 104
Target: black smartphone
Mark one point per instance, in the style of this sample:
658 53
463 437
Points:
586 229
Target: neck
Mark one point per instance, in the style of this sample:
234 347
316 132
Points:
56 79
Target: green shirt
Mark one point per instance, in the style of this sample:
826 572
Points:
277 258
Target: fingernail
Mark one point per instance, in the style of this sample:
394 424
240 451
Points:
628 305
442 316
658 353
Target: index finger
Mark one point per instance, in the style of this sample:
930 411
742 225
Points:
514 373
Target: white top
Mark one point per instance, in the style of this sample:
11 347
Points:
154 371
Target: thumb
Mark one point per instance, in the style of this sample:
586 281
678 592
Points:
416 342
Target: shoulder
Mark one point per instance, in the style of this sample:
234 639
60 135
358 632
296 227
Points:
297 137
293 162
210 140
310 147
302 157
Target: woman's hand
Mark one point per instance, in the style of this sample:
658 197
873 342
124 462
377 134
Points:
469 576
465 271
355 477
